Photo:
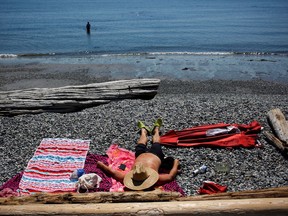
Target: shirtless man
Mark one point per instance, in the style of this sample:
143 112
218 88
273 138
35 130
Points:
144 173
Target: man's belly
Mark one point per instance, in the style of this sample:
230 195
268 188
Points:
149 160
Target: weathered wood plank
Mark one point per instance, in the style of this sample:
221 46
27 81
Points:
265 206
249 194
260 202
74 98
134 196
279 124
276 142
97 197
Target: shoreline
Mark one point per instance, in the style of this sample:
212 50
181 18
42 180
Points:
61 71
36 75
181 104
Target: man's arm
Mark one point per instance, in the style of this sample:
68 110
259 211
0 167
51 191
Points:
117 175
165 178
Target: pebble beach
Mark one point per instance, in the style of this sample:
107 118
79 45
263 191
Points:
181 103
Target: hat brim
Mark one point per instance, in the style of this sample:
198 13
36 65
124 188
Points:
141 185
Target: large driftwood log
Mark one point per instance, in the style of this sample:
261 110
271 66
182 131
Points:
265 206
249 194
279 124
260 202
74 98
97 197
276 142
134 196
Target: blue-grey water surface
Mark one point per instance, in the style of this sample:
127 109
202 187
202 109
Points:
137 26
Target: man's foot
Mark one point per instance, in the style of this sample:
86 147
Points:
142 125
157 123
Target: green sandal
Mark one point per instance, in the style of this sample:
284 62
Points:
142 125
158 123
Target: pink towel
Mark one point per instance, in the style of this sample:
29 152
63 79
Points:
118 156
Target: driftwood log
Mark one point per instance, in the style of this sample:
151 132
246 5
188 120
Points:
133 196
74 98
279 124
259 202
276 142
249 194
97 197
264 206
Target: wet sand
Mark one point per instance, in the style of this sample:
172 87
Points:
17 73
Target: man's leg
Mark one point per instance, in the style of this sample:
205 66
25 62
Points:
156 131
141 146
156 135
143 137
156 147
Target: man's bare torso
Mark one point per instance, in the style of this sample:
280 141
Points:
149 160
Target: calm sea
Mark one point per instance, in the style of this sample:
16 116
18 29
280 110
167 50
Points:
57 27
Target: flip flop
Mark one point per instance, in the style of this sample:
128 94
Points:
142 125
158 123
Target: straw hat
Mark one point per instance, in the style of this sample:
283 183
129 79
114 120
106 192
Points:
140 177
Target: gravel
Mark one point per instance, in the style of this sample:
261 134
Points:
181 105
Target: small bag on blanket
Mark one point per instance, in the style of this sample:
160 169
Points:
88 181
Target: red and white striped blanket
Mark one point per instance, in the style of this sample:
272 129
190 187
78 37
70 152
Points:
53 162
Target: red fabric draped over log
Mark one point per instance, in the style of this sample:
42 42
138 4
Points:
245 136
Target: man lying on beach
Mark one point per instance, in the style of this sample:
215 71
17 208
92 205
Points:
144 173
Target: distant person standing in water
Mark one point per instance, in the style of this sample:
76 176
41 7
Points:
88 26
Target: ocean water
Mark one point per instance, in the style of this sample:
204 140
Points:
57 27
